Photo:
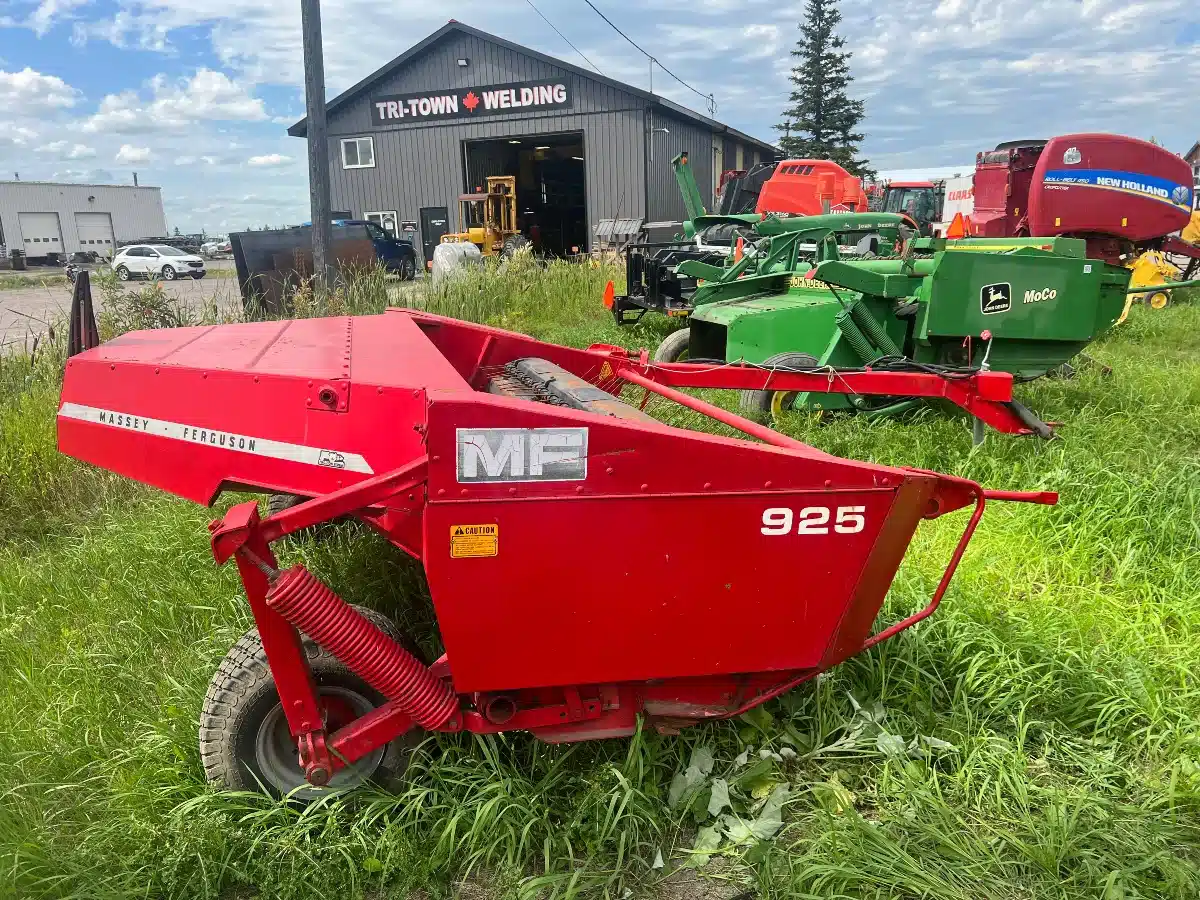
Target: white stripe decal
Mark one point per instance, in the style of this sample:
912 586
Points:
239 443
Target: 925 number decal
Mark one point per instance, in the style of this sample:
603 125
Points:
779 520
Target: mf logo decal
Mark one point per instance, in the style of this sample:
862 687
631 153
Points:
1039 296
521 454
995 298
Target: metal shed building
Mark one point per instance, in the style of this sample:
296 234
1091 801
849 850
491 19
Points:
44 217
463 105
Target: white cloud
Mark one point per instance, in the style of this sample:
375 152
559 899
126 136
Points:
269 159
175 105
30 93
67 150
48 12
942 78
131 155
18 136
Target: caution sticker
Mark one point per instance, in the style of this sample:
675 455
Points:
474 540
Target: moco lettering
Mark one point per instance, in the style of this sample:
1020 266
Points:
1039 296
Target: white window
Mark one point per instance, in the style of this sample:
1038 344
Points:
358 153
385 220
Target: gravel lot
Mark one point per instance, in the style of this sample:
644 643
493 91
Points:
26 312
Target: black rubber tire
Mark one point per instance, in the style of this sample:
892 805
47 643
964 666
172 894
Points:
756 405
241 697
123 273
674 347
408 269
277 503
167 273
512 244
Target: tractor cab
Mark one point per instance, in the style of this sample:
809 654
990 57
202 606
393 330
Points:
488 219
921 201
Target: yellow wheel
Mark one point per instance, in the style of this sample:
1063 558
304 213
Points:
781 402
1159 300
766 406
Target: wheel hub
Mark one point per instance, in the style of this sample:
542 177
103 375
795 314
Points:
278 757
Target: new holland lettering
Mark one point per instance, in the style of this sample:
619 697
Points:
469 102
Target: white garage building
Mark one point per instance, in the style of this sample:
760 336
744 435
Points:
42 217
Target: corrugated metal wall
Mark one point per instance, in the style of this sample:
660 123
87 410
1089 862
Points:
136 212
666 203
421 165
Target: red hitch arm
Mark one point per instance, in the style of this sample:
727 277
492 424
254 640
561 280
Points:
1049 498
985 395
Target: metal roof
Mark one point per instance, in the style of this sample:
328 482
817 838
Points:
132 187
453 26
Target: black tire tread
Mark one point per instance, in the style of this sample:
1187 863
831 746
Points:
756 405
673 346
241 674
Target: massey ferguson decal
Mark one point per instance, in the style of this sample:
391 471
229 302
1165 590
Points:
226 440
462 103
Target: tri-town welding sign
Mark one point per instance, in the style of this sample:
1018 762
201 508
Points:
465 103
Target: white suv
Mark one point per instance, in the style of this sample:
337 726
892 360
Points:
156 261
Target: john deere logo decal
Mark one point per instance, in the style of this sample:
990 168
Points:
995 298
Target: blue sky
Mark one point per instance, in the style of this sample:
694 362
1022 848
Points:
196 95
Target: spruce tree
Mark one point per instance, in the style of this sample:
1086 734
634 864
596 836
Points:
821 121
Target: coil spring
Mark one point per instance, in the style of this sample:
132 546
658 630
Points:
870 327
310 605
855 338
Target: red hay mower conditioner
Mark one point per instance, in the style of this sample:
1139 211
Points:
506 465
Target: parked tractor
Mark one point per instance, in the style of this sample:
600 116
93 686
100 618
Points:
488 219
932 204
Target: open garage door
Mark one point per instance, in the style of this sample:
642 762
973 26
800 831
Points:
95 232
551 186
40 233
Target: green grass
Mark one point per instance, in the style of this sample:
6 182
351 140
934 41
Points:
1062 673
20 282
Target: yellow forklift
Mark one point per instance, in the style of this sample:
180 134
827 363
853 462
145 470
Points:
489 219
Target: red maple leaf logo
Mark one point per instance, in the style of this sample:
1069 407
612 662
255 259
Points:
470 101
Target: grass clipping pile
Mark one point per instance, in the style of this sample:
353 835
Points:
1037 738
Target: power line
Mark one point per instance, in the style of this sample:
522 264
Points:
563 36
712 104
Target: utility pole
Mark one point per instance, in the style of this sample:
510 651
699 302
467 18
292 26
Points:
318 142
